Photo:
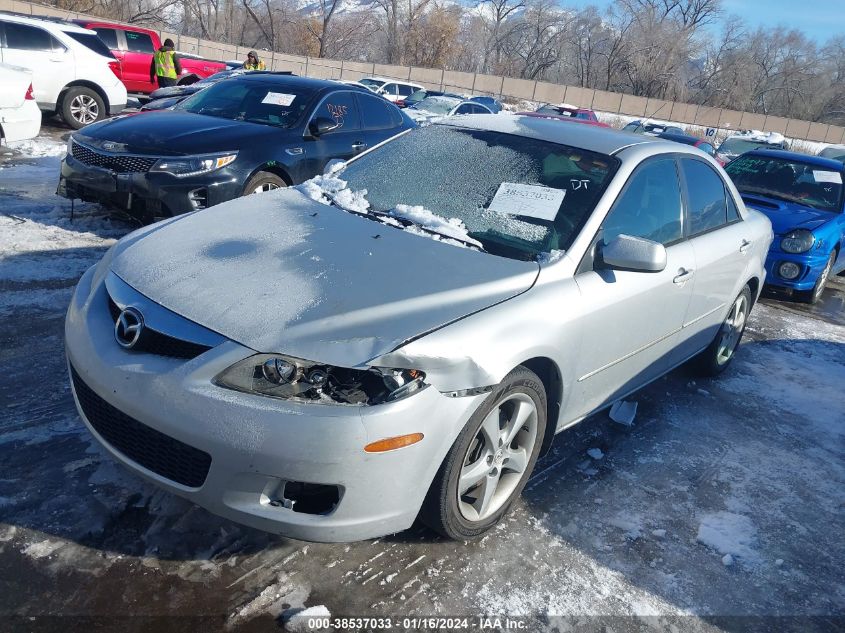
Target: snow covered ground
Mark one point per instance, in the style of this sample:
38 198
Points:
721 508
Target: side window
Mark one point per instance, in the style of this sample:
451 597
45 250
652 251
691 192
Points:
650 205
706 195
341 107
733 212
29 38
465 108
109 37
138 42
406 91
376 114
390 89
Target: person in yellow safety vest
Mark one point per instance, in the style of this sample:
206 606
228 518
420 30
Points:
253 63
165 66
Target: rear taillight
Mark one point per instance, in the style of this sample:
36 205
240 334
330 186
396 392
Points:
29 96
115 68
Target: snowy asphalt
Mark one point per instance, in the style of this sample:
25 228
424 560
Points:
722 508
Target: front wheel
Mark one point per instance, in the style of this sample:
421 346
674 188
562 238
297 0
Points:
490 462
82 106
719 354
813 296
262 182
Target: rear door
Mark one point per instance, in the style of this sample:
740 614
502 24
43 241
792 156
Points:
51 62
137 57
632 319
721 243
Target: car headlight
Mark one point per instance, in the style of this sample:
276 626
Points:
797 241
290 378
192 165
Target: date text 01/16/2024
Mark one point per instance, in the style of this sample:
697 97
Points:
417 623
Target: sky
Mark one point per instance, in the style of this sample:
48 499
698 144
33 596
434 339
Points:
819 19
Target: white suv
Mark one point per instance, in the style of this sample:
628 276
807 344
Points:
73 72
390 89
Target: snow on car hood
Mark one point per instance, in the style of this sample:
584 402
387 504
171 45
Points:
279 272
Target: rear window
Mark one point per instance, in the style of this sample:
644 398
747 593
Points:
264 103
91 42
138 42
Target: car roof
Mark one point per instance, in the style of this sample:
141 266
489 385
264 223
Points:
57 23
295 81
589 137
798 157
117 25
682 138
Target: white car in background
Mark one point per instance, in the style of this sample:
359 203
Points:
20 118
437 107
390 89
73 71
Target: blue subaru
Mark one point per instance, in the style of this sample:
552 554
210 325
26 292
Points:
803 197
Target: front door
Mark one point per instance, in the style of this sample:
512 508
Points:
343 143
632 319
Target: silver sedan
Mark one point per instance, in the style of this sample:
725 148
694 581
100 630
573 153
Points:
404 336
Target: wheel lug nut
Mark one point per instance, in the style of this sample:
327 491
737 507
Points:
489 459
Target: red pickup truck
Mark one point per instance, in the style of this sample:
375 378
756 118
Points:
134 46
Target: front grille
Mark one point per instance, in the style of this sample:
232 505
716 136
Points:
120 164
154 342
155 451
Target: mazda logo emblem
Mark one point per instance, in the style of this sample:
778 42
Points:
128 327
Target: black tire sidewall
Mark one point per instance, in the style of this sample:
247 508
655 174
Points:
261 178
69 96
443 512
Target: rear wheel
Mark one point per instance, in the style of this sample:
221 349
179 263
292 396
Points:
263 182
82 106
490 462
719 354
812 296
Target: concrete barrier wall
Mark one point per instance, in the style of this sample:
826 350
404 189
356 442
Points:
473 83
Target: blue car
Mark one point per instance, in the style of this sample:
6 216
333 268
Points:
803 197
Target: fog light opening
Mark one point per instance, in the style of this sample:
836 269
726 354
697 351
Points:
789 270
310 498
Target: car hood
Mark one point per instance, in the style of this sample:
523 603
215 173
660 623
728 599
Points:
175 91
278 272
171 132
786 216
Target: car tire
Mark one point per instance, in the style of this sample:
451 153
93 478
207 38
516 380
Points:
812 296
491 471
82 106
719 354
262 182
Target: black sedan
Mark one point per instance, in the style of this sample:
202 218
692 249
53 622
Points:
246 135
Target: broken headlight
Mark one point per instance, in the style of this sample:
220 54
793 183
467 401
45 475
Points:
295 379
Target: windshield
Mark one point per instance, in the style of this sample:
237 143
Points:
437 105
216 77
372 84
517 196
91 41
740 146
787 180
263 103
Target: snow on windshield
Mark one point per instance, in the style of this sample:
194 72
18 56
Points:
330 189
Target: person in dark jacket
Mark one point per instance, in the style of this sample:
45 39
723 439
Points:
165 66
253 63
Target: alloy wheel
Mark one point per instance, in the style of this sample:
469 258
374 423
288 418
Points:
497 457
84 109
732 330
267 186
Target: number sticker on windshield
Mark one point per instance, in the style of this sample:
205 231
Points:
278 98
532 201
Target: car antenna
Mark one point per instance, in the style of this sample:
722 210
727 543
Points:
642 125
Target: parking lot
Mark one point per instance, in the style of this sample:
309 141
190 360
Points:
721 508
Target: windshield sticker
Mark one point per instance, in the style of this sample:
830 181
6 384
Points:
828 176
578 183
278 98
532 201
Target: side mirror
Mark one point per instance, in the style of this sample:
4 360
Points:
322 125
634 253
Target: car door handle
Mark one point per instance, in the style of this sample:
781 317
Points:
359 146
683 275
744 246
